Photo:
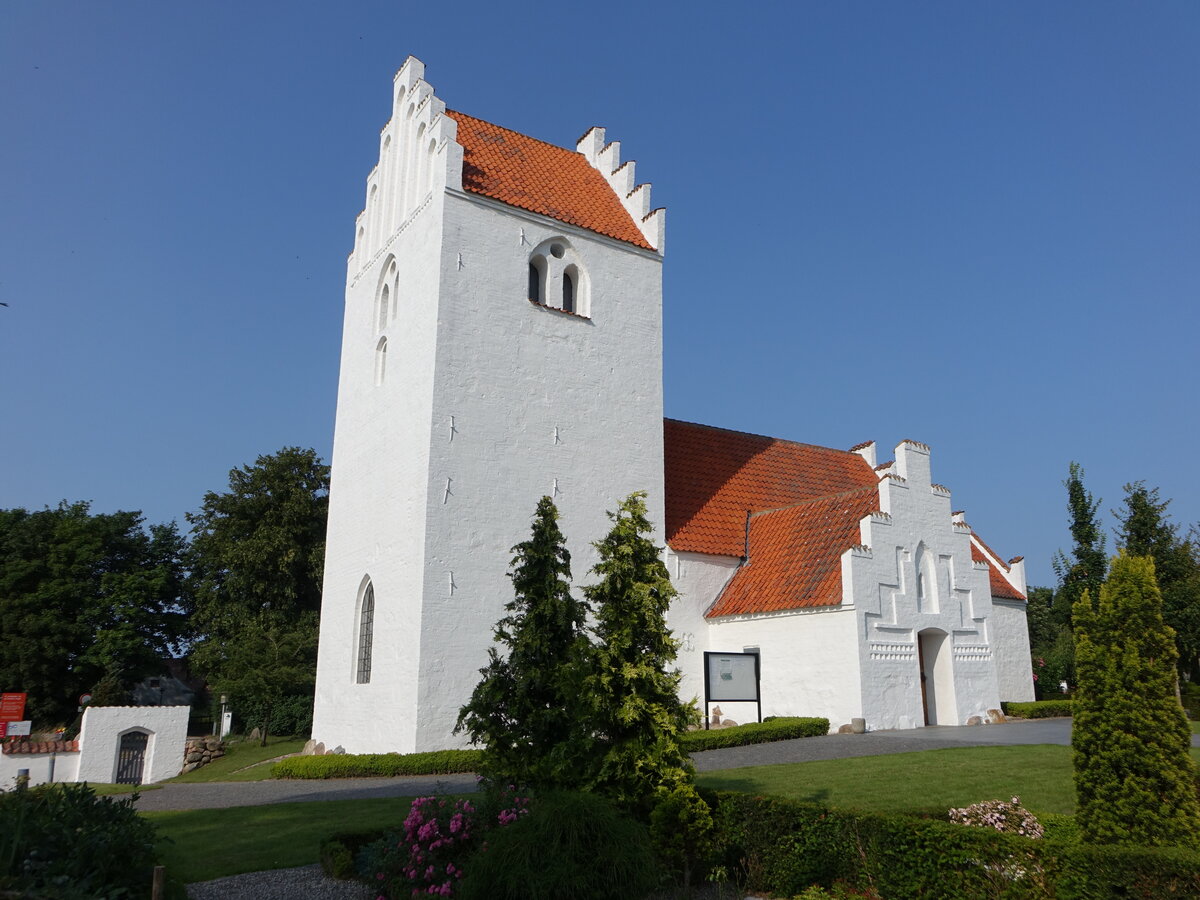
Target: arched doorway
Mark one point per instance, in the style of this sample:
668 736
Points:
131 757
937 677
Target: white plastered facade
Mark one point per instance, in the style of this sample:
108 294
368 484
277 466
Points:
487 402
460 404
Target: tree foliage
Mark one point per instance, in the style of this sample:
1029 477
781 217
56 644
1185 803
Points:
1144 529
525 711
1085 568
83 597
1134 778
256 560
633 687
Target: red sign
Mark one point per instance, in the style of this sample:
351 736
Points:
3 729
12 707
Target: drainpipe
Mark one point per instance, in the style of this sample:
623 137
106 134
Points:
53 756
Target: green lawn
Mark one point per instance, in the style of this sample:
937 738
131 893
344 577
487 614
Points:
240 754
211 843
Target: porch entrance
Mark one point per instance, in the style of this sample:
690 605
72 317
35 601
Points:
131 757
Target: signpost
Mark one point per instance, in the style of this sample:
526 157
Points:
13 729
12 707
733 678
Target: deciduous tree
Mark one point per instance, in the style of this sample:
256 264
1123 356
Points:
1134 778
256 562
84 596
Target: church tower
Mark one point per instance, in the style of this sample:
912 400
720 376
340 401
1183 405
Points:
502 341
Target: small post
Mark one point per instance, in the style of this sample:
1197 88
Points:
159 886
22 779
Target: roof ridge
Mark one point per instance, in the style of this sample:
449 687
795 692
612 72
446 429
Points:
528 137
765 437
822 499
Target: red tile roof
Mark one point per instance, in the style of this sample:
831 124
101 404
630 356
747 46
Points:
11 747
714 477
1001 589
796 555
542 178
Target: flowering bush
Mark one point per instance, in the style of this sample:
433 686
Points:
439 834
1006 816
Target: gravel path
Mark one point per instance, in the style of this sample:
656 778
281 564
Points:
303 883
221 794
876 743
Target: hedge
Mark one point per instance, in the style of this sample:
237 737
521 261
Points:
368 765
1039 709
782 847
777 729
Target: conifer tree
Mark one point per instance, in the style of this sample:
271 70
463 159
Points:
1145 529
526 711
1084 569
1134 777
633 686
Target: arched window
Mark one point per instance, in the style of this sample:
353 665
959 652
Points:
535 283
366 634
557 279
380 360
568 303
385 297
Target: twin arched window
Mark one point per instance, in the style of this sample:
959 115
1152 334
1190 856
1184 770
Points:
386 299
556 279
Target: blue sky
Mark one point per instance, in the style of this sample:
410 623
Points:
972 224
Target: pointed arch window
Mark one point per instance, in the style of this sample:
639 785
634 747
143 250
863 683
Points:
366 634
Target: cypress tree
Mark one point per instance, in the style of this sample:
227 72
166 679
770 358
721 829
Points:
1134 777
633 686
1085 568
526 709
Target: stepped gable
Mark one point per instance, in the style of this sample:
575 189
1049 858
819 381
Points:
714 477
552 181
1001 589
795 557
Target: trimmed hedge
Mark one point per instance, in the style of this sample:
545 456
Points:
780 728
1039 709
375 765
782 847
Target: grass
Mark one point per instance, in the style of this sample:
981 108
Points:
239 755
1041 775
202 844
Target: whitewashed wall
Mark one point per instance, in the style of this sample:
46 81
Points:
699 578
487 403
100 739
1014 670
880 580
66 767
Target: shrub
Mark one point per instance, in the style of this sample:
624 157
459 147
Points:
366 765
774 729
784 847
438 838
681 830
571 846
339 851
1039 709
63 841
1009 817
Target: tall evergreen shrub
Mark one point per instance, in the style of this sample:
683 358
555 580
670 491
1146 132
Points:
527 711
633 685
1134 777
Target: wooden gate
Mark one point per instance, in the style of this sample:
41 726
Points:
131 757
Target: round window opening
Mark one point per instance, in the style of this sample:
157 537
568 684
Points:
557 251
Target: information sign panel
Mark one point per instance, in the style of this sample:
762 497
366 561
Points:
732 678
12 707
18 728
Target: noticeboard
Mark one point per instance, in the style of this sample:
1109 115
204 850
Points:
731 678
12 707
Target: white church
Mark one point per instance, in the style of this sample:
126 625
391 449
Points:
502 342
